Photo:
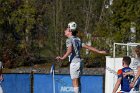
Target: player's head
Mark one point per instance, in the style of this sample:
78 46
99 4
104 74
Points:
137 50
126 60
71 29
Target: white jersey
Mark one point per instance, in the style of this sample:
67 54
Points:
76 44
135 64
74 57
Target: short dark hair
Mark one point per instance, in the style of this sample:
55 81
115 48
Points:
74 32
127 60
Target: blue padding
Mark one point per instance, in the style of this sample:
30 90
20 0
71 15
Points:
16 83
92 84
43 83
20 83
63 84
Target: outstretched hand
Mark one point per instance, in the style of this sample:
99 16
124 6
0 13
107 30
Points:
59 58
103 52
132 84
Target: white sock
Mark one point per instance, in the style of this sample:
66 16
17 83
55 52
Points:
76 89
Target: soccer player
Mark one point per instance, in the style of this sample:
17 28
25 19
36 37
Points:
74 45
136 67
124 81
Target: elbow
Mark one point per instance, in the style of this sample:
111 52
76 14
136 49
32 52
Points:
119 82
86 46
69 52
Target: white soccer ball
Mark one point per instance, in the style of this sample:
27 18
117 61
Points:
72 25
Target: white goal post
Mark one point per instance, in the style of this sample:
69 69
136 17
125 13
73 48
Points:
123 44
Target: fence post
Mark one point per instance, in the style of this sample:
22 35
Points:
32 81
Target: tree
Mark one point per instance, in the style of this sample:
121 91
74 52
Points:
22 29
117 20
35 28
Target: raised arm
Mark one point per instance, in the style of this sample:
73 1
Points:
94 49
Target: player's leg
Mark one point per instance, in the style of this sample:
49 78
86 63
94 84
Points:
75 83
75 74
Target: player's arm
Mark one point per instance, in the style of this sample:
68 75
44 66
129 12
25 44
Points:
136 77
69 50
128 73
117 85
94 49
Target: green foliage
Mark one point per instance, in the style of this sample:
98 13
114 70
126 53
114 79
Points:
116 21
32 29
122 17
22 31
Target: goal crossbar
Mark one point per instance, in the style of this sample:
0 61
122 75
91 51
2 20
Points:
123 44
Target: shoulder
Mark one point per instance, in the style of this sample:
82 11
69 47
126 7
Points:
68 42
130 69
120 71
78 38
120 74
127 69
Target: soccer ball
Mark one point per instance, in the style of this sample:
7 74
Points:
72 25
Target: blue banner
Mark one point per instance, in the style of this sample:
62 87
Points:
92 84
63 84
43 83
16 83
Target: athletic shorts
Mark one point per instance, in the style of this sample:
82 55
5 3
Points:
75 69
1 91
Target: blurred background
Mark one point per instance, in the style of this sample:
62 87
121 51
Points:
32 31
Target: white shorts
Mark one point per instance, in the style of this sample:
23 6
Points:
75 70
1 91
